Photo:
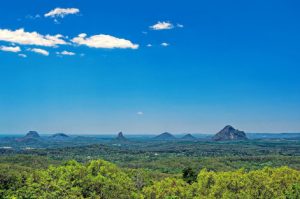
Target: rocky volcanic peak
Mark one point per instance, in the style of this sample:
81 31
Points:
120 137
165 136
188 137
230 133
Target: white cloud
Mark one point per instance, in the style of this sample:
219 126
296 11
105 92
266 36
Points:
15 49
180 25
68 53
39 51
164 44
103 41
162 26
56 21
149 45
31 38
62 12
82 35
140 113
22 55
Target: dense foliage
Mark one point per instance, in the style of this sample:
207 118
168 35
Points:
101 179
97 179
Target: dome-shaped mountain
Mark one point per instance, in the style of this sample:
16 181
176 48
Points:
165 136
188 137
121 137
230 133
59 136
31 136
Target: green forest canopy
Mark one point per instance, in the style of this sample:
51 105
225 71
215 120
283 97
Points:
102 179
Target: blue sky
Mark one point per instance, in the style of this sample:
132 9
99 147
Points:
87 67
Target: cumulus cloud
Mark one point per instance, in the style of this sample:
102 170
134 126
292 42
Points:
67 53
164 44
103 41
14 49
39 51
162 26
62 12
31 38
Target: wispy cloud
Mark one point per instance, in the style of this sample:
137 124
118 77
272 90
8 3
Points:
140 113
67 53
103 41
33 16
39 51
149 45
31 38
162 26
22 55
14 49
62 12
180 25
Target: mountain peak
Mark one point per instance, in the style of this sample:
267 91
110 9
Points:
188 137
165 136
120 137
230 133
32 134
228 128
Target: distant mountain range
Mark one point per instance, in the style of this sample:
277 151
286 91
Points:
34 136
228 133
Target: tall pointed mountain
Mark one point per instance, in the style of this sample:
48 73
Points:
121 137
